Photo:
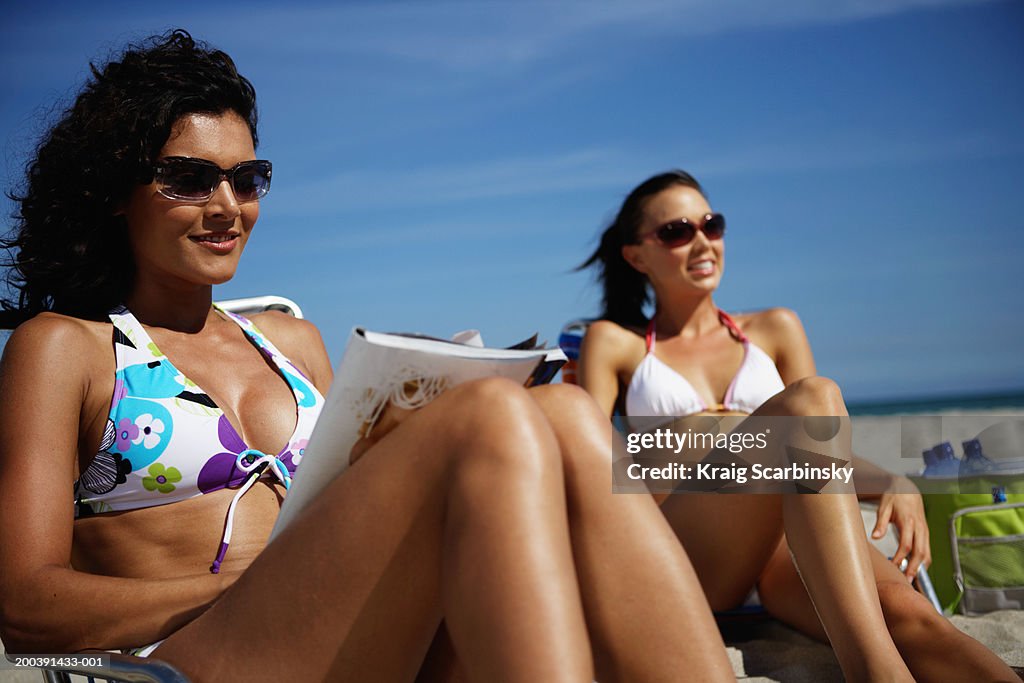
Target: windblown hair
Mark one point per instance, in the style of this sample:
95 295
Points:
68 250
626 290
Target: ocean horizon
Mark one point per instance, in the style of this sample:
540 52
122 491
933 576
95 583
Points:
993 402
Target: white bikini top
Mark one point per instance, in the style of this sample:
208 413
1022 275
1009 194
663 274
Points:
657 389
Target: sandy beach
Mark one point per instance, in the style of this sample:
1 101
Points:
895 442
774 652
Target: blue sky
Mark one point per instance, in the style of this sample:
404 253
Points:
443 165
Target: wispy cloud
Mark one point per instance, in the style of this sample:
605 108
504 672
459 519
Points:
411 234
482 37
603 168
443 184
461 37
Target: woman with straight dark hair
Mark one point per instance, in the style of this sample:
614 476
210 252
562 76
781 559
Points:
690 358
139 492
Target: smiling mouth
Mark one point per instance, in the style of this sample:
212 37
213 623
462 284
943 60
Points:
217 239
705 267
222 243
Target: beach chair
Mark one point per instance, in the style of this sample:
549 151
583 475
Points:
259 304
121 668
145 669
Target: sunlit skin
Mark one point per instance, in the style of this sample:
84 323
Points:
737 542
695 267
173 265
503 532
166 234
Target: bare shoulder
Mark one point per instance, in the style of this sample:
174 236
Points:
300 341
611 334
772 326
613 344
779 332
61 369
285 330
59 340
57 325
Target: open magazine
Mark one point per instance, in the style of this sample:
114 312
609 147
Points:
382 372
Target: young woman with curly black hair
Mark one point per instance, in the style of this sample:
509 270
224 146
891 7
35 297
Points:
140 200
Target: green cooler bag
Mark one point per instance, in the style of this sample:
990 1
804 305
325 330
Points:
977 541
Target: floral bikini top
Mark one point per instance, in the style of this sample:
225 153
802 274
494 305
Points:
166 440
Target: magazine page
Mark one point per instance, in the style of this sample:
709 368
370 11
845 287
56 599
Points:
404 371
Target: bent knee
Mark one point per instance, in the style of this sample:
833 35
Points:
569 395
813 396
570 404
487 403
489 388
819 390
583 430
496 421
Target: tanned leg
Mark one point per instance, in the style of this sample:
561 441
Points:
730 540
646 614
933 648
459 512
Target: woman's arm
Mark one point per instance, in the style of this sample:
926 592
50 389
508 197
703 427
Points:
781 334
600 363
45 605
900 503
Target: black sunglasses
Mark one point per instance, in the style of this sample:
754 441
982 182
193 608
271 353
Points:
195 180
681 232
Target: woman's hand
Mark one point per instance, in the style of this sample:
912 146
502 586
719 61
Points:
902 505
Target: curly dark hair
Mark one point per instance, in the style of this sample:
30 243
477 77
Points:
68 250
626 290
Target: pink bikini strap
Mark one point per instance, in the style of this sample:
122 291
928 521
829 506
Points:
723 317
650 336
731 324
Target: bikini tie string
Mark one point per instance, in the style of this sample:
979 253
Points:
255 463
